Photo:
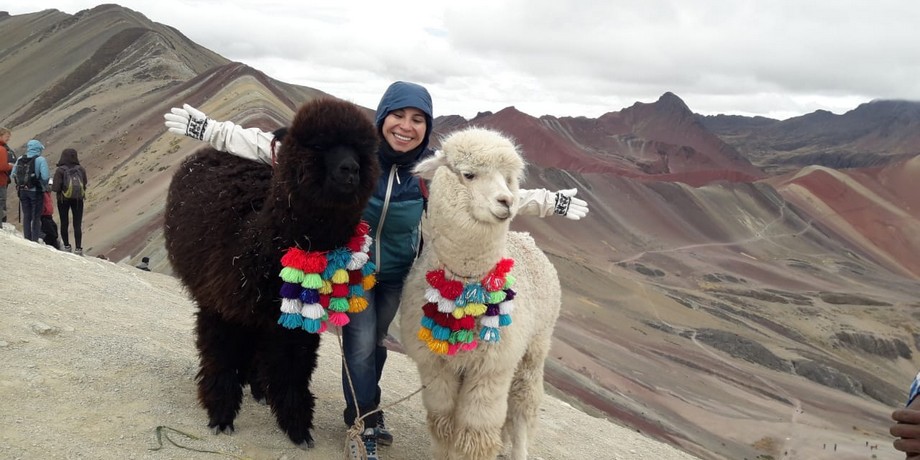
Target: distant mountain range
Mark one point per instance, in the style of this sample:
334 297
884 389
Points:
742 286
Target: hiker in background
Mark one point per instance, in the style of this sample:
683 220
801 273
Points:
907 429
7 158
70 186
145 264
49 227
31 176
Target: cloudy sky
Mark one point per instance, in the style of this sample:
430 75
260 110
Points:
779 59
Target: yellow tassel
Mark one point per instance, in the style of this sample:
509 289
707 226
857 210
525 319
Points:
326 288
340 277
356 304
458 313
475 309
438 346
424 334
369 282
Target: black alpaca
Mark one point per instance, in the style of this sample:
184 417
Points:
228 223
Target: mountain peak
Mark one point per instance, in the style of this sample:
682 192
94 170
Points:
670 100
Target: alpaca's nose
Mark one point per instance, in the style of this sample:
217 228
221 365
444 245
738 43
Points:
505 201
348 171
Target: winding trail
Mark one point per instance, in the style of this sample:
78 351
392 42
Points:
759 235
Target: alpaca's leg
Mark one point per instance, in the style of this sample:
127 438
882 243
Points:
524 399
287 361
223 349
482 404
256 381
441 387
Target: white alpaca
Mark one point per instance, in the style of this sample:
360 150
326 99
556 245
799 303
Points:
480 400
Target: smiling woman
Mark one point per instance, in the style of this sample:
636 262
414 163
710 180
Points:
405 129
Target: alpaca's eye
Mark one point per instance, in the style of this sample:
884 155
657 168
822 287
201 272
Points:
469 176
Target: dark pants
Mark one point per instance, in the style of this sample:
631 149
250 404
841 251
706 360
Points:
365 354
31 202
3 203
64 207
50 231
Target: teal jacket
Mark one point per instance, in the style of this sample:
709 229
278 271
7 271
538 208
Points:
35 148
394 211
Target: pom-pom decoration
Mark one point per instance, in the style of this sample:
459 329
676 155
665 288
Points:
322 287
451 309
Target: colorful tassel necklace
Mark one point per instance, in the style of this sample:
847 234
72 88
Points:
322 286
449 320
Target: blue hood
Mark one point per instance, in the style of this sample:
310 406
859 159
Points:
34 148
403 94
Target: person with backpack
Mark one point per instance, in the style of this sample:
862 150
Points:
49 227
31 175
6 167
70 185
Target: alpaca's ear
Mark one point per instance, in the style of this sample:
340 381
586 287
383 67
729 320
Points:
426 168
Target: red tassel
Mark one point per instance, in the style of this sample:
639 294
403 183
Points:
294 257
315 262
435 278
442 319
355 277
324 300
450 289
362 229
430 309
339 290
503 267
493 282
467 322
355 243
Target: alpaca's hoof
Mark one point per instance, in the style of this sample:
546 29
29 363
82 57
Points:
258 394
218 428
308 444
302 442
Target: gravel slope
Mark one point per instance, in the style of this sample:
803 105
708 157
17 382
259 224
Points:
96 355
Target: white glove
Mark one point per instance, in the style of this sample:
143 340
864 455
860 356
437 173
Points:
189 121
568 206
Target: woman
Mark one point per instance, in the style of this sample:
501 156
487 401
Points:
404 120
70 185
32 192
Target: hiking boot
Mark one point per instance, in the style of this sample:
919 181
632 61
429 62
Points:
369 440
78 251
67 248
383 435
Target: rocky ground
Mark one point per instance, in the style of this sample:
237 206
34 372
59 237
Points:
99 363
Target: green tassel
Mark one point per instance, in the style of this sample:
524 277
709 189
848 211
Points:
291 275
338 304
496 297
312 281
